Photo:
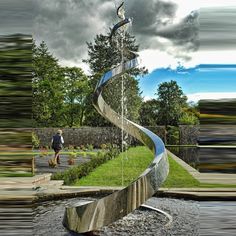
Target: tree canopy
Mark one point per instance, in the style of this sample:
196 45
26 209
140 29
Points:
102 56
62 96
169 108
59 93
172 101
149 112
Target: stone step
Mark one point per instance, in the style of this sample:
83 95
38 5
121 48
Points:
56 183
52 184
41 179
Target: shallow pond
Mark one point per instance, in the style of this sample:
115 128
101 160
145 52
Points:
49 215
189 218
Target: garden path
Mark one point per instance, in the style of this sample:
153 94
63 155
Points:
42 166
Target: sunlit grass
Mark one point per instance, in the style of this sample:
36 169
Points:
110 173
138 159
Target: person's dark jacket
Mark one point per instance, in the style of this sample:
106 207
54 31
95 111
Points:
57 142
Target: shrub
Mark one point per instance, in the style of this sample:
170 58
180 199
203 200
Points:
172 135
72 155
35 141
189 119
100 154
92 154
71 175
103 146
71 148
89 147
71 158
83 148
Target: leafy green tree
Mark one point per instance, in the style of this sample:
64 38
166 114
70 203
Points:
47 87
92 118
172 101
190 115
102 57
76 91
59 94
131 96
188 119
149 112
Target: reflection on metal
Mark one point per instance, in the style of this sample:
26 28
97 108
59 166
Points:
170 218
91 216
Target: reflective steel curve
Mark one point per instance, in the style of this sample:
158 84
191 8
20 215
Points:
93 215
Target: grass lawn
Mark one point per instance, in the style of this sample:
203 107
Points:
136 161
109 174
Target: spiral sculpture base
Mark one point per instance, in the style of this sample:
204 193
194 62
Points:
93 215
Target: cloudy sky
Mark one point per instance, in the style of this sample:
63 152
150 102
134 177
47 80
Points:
171 34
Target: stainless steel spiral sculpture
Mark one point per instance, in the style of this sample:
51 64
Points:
93 215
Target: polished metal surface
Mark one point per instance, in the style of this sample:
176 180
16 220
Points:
93 215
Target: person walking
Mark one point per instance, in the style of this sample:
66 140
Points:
57 145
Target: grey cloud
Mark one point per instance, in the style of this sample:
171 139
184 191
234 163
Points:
183 34
155 18
148 15
67 25
147 18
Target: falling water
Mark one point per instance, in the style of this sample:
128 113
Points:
124 110
121 46
122 130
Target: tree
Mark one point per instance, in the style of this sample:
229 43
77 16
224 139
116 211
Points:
47 87
190 115
102 57
172 101
149 112
59 94
76 90
92 118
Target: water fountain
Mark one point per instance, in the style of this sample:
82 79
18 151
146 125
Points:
91 215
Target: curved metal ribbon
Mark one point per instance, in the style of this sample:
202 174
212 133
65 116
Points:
118 25
92 215
119 10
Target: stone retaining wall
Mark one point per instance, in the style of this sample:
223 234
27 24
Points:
89 135
81 136
100 135
188 134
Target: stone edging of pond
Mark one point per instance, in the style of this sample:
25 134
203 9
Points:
196 194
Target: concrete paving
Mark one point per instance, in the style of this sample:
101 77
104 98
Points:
198 194
41 188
